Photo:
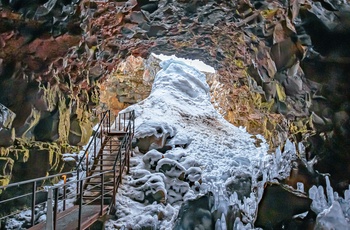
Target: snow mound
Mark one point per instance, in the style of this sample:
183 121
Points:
198 152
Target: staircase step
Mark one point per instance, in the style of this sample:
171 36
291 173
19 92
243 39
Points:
107 201
106 190
98 169
91 197
106 159
116 133
98 165
108 155
109 183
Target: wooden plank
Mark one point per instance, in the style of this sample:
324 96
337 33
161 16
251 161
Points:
116 133
68 219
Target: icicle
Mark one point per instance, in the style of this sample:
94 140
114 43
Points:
222 205
347 194
223 222
319 202
289 147
329 190
301 149
238 225
155 222
277 158
218 225
234 199
300 186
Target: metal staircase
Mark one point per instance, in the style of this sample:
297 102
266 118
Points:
111 160
98 176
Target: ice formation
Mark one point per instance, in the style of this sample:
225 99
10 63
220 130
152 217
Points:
212 151
204 155
333 211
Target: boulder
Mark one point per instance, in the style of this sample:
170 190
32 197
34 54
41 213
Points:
7 134
6 117
274 213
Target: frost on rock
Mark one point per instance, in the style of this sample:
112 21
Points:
171 168
282 162
151 159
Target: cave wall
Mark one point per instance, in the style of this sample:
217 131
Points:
45 101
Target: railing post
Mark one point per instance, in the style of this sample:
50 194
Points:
114 186
49 212
64 191
115 121
119 122
129 152
80 204
102 129
102 193
55 210
124 122
33 203
133 122
77 183
87 163
95 145
109 121
120 160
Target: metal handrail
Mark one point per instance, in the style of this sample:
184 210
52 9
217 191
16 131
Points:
94 137
125 146
34 180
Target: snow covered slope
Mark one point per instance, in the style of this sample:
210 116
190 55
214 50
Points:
197 171
205 152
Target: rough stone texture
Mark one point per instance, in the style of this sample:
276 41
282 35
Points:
6 132
130 83
282 67
43 94
6 165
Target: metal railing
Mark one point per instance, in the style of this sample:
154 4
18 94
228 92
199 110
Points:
95 144
57 197
58 202
37 187
123 123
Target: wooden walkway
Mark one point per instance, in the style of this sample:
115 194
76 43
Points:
68 219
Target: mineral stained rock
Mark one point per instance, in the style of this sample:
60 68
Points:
41 97
282 67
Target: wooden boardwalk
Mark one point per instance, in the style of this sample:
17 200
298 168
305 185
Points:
68 219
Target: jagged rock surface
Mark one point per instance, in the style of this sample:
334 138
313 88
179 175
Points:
282 68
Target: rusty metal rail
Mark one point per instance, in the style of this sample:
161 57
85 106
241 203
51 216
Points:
60 197
29 197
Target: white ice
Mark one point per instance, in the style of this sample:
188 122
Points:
212 153
179 107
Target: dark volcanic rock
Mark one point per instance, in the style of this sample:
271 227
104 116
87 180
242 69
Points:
278 207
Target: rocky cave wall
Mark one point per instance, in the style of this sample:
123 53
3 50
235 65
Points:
45 100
